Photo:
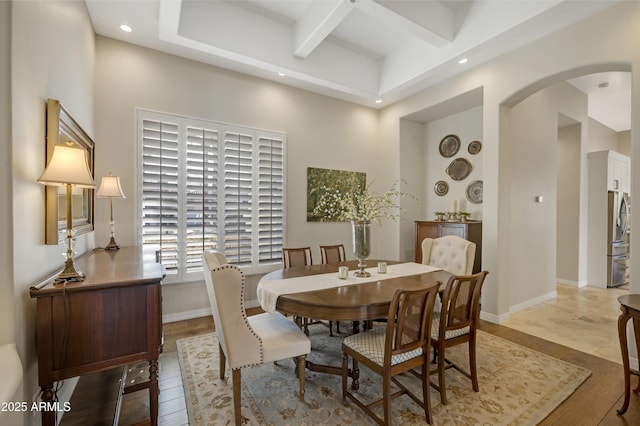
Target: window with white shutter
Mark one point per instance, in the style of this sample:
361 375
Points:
206 185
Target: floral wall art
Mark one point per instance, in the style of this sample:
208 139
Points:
319 180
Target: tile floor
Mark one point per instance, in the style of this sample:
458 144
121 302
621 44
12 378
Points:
585 319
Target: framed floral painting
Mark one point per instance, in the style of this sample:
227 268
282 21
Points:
319 181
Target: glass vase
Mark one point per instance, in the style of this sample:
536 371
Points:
361 244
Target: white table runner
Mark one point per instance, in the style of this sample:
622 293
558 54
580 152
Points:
270 290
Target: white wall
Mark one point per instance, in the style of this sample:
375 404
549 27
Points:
6 233
602 138
321 132
467 125
52 57
509 216
7 331
568 206
534 135
624 143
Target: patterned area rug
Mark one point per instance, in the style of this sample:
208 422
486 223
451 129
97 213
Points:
518 386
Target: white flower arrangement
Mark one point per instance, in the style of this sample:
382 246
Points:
359 204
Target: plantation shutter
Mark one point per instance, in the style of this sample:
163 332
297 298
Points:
237 196
270 198
160 190
204 185
201 194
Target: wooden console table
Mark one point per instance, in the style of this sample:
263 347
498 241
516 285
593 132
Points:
112 318
630 307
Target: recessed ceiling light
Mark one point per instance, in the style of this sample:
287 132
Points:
125 28
378 101
281 74
463 61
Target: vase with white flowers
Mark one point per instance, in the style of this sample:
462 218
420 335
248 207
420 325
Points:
361 206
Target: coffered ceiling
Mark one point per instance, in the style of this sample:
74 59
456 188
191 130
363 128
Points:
356 50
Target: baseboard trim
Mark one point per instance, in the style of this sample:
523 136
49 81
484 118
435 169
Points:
578 284
197 313
531 302
496 319
186 315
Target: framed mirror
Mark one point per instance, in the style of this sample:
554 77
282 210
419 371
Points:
63 129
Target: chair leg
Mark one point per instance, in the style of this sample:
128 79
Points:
345 374
441 384
301 366
237 403
386 397
426 392
338 327
222 360
331 328
473 368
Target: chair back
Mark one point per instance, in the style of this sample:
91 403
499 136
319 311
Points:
299 256
461 304
332 255
225 287
452 253
214 258
409 322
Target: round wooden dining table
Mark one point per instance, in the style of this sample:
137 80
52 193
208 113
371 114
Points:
362 302
352 302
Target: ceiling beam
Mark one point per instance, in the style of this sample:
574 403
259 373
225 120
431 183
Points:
428 20
320 19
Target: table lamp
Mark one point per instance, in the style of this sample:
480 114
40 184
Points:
110 188
68 167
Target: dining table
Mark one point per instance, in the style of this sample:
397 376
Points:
316 291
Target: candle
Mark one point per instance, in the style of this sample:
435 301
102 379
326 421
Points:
454 206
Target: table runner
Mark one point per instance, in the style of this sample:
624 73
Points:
270 290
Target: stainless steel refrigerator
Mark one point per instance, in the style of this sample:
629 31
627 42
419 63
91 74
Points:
617 238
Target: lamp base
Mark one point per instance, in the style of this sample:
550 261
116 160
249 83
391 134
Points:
69 273
112 245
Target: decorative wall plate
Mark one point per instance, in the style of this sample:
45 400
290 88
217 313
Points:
441 188
474 192
459 169
474 147
449 146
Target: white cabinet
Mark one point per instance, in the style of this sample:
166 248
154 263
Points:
615 166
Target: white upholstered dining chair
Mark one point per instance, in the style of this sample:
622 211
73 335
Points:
246 341
451 253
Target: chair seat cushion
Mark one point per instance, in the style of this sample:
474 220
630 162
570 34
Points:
281 337
449 334
370 344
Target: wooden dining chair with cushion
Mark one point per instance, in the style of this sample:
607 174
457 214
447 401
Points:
299 256
248 341
400 346
333 255
452 253
455 324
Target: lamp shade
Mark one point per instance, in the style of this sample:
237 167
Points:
110 187
68 166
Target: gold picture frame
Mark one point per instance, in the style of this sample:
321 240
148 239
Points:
62 128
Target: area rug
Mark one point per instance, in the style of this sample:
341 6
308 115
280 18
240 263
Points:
518 386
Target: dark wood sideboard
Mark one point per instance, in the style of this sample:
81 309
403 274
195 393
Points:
112 318
471 231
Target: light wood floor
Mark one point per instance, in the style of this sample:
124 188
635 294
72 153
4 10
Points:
594 403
